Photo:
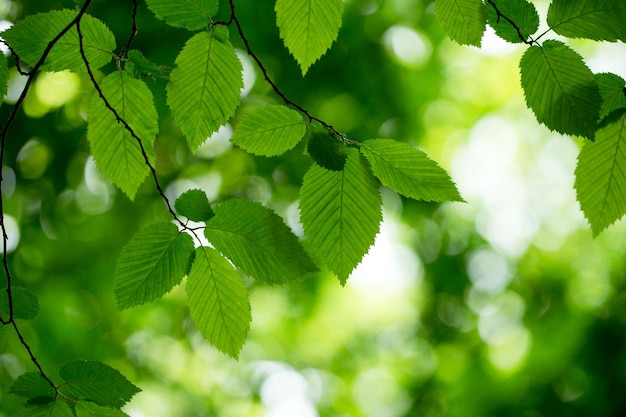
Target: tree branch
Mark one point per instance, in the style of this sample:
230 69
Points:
512 23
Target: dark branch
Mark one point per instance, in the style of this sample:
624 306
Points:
133 31
529 41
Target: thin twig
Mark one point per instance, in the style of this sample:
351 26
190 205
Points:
133 32
512 23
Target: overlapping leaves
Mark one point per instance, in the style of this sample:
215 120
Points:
463 20
513 20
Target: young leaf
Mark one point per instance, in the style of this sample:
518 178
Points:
308 27
116 152
203 91
612 92
327 151
143 66
25 303
97 382
522 13
56 408
409 171
463 21
32 385
30 37
188 14
340 212
592 19
218 301
257 241
560 89
89 409
151 264
194 205
269 131
601 175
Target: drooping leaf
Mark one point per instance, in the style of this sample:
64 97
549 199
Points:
327 151
308 27
194 205
601 175
591 19
218 301
340 212
57 408
30 37
25 303
188 14
32 385
523 19
97 382
116 152
204 87
409 171
560 89
613 92
269 131
142 66
4 75
463 21
257 241
90 409
151 264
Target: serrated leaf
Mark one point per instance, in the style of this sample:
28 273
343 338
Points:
613 92
32 385
25 303
143 66
57 408
601 175
257 241
269 131
308 27
154 261
116 152
560 89
218 301
194 205
30 37
89 409
327 151
590 19
409 171
188 14
464 21
522 13
340 212
97 382
204 88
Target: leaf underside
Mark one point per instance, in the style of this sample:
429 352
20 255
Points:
32 385
194 204
463 21
188 14
591 19
612 92
341 213
25 303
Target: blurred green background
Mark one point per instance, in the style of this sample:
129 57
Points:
501 306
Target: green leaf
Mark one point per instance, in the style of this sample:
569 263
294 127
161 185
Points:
97 382
340 212
269 131
154 261
409 171
613 92
601 175
308 27
116 152
592 19
30 37
194 205
463 21
4 75
143 66
25 303
204 88
89 409
218 301
188 14
57 408
32 385
521 12
560 89
257 241
327 151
